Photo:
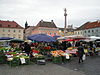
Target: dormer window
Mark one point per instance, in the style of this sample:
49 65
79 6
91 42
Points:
16 25
9 25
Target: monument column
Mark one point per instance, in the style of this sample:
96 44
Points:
65 15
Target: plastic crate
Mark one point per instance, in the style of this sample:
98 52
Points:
41 62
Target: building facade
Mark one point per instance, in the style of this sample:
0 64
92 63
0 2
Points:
89 29
69 29
11 29
28 31
44 27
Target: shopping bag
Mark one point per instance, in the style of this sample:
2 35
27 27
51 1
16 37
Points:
84 57
67 56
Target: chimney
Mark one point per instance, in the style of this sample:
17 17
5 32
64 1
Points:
51 20
41 21
98 21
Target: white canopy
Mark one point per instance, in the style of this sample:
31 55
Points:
94 37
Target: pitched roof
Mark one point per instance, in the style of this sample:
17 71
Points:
92 25
46 24
89 25
83 26
9 24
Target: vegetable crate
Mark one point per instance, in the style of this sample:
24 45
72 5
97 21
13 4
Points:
57 59
14 62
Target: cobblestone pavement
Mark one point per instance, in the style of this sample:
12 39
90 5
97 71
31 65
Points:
91 66
34 69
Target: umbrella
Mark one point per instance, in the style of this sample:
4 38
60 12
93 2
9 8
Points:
94 38
5 38
97 40
16 40
41 38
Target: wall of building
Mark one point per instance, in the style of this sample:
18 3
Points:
45 30
11 32
92 32
28 32
88 32
79 32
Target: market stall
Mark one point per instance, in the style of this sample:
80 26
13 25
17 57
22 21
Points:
59 56
13 57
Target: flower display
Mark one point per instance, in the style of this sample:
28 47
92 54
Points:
35 51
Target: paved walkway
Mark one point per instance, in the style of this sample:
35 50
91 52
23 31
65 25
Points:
34 69
91 66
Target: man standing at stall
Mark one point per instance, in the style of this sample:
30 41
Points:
27 48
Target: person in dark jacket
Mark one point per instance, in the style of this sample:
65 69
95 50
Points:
27 48
80 53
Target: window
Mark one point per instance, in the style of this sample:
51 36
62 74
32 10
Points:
16 25
78 32
9 25
54 33
96 30
50 33
92 30
19 36
3 35
85 31
3 30
19 30
8 35
8 30
14 35
0 25
14 30
88 31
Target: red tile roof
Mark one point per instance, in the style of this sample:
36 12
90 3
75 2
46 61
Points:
92 25
9 24
89 25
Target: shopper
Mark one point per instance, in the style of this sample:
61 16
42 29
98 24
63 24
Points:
80 53
27 48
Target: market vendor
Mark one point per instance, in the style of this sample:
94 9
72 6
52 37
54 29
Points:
27 48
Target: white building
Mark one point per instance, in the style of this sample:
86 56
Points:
11 29
89 29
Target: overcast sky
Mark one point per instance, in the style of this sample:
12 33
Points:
32 11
